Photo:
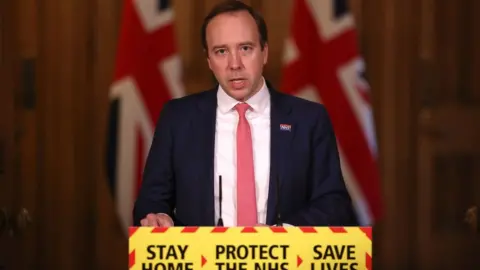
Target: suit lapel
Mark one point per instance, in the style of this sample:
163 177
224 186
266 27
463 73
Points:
203 128
282 128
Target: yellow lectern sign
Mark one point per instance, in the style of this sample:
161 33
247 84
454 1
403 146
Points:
246 248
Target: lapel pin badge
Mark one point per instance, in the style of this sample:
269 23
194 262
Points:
285 127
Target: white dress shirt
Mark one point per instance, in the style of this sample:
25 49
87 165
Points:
226 154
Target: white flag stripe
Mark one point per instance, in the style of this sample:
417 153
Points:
151 19
322 12
348 75
360 203
133 118
171 68
290 51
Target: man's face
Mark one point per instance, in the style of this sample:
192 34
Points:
235 55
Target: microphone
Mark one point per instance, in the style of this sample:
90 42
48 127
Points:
277 203
220 220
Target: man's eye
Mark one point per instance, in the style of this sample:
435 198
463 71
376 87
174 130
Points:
246 48
221 51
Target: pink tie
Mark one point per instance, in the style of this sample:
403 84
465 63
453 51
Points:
246 199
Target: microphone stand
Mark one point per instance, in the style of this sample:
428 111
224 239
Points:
220 220
277 204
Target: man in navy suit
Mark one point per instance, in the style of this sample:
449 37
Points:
276 154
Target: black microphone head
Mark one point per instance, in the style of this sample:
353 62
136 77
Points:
220 188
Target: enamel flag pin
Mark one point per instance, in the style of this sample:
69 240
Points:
285 127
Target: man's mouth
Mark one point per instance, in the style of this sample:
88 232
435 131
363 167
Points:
238 83
237 79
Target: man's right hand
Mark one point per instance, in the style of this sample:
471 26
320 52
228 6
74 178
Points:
157 220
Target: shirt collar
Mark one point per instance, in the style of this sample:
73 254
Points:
258 102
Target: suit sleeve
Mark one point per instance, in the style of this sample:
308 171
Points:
157 191
329 202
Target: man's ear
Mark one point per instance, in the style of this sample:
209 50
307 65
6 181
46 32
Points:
208 58
208 61
265 53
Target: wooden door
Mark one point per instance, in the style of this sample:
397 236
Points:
449 187
448 145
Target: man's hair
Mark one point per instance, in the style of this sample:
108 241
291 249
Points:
230 6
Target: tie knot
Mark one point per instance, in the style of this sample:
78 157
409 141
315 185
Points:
242 108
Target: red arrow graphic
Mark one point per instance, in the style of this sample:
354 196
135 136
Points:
299 261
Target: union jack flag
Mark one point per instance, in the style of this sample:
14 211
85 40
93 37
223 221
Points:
147 74
322 64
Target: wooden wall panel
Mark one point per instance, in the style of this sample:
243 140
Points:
26 122
377 17
277 16
8 151
188 21
56 102
474 7
388 35
65 205
110 240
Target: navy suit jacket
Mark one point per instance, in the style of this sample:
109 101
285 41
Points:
305 168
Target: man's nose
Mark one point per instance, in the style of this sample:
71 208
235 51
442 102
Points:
235 61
